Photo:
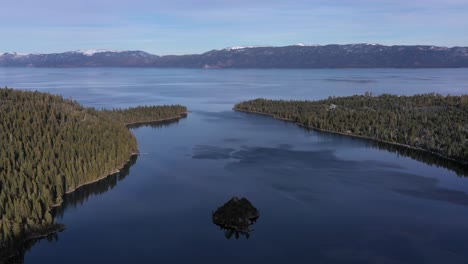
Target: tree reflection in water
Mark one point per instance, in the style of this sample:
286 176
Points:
423 156
15 253
81 195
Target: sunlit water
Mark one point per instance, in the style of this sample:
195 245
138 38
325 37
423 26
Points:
322 198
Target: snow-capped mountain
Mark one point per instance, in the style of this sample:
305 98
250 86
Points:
91 52
243 47
79 58
363 55
306 45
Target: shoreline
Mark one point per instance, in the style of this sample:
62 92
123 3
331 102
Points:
47 231
117 170
51 229
353 135
99 178
182 115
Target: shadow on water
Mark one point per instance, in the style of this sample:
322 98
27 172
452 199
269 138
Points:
81 195
71 200
16 250
422 156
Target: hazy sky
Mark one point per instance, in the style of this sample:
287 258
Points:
189 26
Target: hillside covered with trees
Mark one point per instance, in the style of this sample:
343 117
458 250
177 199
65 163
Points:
145 114
51 146
431 122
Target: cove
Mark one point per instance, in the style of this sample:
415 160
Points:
322 198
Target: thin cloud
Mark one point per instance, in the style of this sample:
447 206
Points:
181 26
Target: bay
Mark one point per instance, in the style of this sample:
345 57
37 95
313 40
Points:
322 198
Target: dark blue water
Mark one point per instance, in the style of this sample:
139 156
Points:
322 198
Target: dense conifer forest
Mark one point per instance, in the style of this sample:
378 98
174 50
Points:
146 114
51 146
431 122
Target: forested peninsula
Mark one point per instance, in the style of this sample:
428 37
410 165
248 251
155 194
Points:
50 147
429 122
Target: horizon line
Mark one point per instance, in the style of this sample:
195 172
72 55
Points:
91 52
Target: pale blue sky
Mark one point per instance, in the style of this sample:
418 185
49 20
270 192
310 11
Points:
182 27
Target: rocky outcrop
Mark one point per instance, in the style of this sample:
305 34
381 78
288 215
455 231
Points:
236 216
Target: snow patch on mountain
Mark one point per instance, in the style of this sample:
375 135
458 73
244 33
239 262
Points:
306 45
244 47
91 52
365 44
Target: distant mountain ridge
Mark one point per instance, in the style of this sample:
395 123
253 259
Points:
294 56
86 58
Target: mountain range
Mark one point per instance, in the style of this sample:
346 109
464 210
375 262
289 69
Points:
294 56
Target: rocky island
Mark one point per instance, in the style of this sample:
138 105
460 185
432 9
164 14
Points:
236 216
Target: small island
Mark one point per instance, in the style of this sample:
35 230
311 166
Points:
429 122
52 146
236 216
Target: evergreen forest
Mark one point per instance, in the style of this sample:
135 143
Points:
51 146
145 114
431 122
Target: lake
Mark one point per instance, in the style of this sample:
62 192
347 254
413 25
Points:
323 198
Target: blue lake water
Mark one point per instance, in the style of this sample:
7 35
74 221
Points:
215 90
322 198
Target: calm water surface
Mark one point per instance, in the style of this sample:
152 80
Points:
215 90
322 198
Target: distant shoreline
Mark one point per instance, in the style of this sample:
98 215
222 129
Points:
352 135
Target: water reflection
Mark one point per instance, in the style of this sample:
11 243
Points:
16 253
422 156
432 159
81 195
223 152
459 168
157 124
235 217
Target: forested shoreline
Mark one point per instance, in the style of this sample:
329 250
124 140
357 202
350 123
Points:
428 122
146 114
52 146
